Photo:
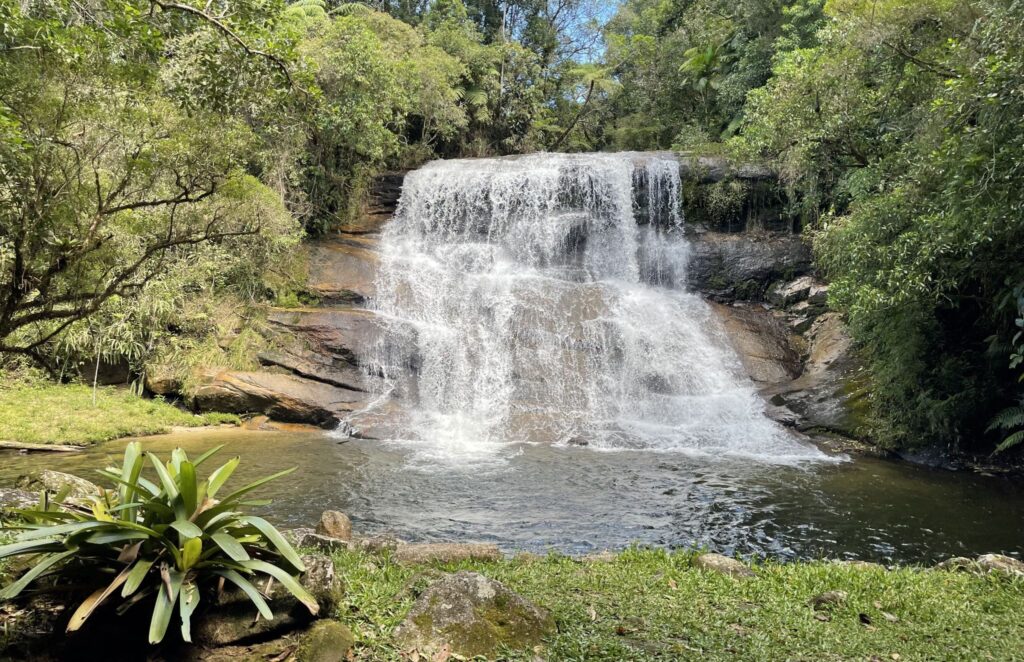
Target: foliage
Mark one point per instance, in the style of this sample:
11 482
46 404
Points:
900 130
66 414
169 541
653 605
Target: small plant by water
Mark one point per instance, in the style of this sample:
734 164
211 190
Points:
166 543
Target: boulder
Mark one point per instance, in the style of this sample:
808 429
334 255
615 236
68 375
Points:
741 266
785 294
1001 563
282 397
443 552
162 380
334 524
56 481
233 619
764 344
471 615
16 499
326 641
723 565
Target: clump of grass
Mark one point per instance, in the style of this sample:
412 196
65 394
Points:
652 605
65 414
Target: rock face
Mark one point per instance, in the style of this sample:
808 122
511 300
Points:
726 267
722 565
414 554
282 397
828 395
335 525
342 268
473 616
765 344
233 620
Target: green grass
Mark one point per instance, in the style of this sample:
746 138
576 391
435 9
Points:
652 605
65 414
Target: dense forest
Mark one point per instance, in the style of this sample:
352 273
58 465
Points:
160 161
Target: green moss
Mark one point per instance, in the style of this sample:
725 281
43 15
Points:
651 605
66 414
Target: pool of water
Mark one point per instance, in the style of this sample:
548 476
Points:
537 497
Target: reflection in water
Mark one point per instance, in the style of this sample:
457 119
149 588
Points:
579 500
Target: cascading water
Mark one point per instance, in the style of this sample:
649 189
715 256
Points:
542 299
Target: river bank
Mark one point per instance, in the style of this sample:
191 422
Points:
77 415
644 604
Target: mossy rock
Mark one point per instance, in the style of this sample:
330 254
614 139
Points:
326 641
473 616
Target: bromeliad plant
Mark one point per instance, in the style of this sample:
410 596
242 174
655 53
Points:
170 541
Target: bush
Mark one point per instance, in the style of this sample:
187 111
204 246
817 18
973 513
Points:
171 541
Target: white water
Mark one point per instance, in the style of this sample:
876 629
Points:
542 299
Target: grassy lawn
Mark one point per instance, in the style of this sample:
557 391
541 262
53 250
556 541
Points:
651 605
65 414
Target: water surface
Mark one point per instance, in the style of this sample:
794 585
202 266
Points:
538 497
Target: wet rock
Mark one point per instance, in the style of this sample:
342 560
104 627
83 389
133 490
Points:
741 266
829 599
282 397
326 641
472 616
722 565
764 343
443 552
334 524
830 394
233 619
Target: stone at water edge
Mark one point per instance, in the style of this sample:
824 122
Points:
335 524
986 563
473 616
445 552
1001 563
55 481
722 565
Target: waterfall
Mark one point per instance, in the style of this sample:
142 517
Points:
543 298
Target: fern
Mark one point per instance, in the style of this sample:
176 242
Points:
1009 419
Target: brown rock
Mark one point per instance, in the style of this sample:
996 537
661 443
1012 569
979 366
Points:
281 397
829 599
416 554
334 524
764 344
343 268
722 565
